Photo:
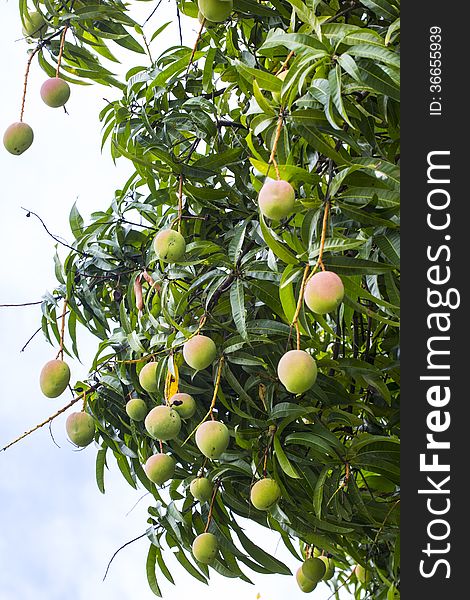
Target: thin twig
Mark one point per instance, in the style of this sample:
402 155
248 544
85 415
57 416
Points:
147 47
48 420
178 15
122 548
30 339
21 304
59 241
194 47
152 13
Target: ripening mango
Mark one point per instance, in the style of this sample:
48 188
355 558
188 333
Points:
18 137
207 24
276 199
212 438
55 92
201 488
169 245
160 468
184 404
216 11
305 584
199 352
148 377
80 428
324 292
54 378
297 371
329 566
35 25
137 409
265 493
163 423
313 569
205 547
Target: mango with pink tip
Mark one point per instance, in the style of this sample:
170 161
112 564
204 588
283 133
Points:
184 404
163 423
55 92
199 352
324 292
18 137
148 377
297 371
80 427
160 468
276 199
212 438
54 378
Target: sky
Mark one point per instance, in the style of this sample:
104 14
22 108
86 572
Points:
57 531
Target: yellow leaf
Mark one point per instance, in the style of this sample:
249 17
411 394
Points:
171 383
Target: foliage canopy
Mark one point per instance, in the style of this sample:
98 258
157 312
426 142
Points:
199 128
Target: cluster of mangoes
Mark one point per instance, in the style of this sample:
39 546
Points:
313 570
54 92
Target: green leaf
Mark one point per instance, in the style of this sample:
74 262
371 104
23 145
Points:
265 80
263 558
150 568
237 302
279 249
282 459
318 491
348 265
76 221
100 465
374 76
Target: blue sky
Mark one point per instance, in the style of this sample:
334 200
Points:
57 531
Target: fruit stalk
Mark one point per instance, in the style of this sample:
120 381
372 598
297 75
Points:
191 58
284 64
25 85
62 331
211 507
323 237
213 401
295 320
61 49
272 158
